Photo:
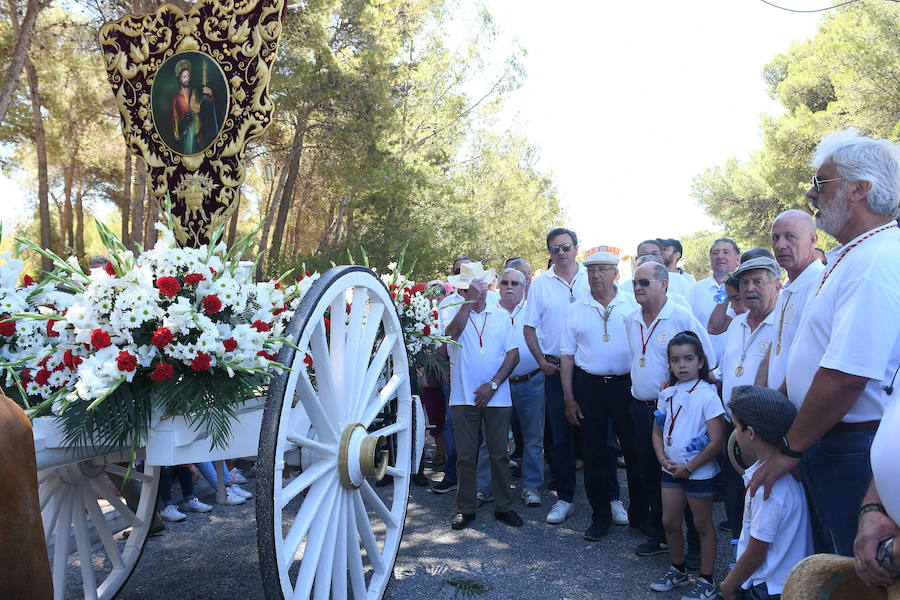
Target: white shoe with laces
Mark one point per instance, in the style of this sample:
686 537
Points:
237 476
560 511
239 491
619 514
172 514
194 505
232 499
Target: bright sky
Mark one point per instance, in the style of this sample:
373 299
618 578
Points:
628 101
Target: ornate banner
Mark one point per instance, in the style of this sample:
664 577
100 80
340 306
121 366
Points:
192 90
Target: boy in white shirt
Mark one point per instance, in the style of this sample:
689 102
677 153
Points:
776 533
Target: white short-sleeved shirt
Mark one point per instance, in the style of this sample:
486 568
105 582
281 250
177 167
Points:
527 363
449 306
687 276
679 284
685 301
671 320
548 304
702 304
885 466
852 324
469 368
585 331
687 412
791 303
782 521
752 345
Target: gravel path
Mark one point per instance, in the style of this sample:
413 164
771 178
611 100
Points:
214 555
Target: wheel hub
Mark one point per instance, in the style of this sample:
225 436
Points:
358 456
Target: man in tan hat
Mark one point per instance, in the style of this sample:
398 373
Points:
480 365
595 365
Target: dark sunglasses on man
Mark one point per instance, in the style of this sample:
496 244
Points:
511 282
563 247
643 282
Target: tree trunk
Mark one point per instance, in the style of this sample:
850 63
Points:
150 222
232 225
67 232
125 205
287 193
137 204
273 205
40 143
79 224
23 44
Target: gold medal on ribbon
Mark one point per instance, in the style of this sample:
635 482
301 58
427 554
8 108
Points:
669 440
605 337
643 362
739 371
778 349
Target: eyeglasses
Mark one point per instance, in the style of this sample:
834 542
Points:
563 247
817 183
643 282
513 282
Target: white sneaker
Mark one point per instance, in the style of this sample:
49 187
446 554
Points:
531 497
560 511
619 514
194 505
237 476
239 491
232 499
171 513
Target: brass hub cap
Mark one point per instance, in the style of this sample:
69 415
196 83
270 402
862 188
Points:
358 457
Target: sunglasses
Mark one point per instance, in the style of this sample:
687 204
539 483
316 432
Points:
643 282
510 282
817 183
563 247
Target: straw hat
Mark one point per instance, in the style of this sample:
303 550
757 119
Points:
469 272
740 459
830 577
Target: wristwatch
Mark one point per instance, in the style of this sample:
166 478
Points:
494 385
785 449
884 556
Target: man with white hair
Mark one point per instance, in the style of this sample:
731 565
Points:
480 364
847 346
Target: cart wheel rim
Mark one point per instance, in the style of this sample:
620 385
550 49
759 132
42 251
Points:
85 515
329 532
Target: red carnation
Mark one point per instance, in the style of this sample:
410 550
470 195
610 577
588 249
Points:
262 326
25 376
392 286
71 360
58 368
42 377
193 278
161 337
230 344
50 330
201 362
110 270
419 287
168 286
7 328
406 299
162 372
213 271
126 361
269 355
44 362
435 313
327 324
426 330
308 360
27 281
212 304
100 339
277 286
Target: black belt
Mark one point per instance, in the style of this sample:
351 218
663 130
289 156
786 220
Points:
605 378
552 359
843 427
649 403
524 378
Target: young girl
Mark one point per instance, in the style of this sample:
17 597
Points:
689 412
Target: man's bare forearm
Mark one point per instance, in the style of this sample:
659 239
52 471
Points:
831 395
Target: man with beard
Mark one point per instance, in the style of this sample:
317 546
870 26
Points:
847 346
680 282
193 113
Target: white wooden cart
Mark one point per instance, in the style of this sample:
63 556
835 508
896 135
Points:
329 532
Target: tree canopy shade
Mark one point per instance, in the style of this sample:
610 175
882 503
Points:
847 75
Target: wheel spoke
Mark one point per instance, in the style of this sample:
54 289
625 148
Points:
390 429
83 543
388 392
373 373
395 472
305 516
326 566
374 502
305 442
324 372
352 368
337 341
357 577
117 503
339 572
306 479
319 418
100 525
61 545
56 503
47 490
122 472
366 347
312 554
364 528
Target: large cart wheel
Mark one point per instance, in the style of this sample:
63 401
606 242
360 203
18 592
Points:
94 527
331 531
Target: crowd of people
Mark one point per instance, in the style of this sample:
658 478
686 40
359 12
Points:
790 353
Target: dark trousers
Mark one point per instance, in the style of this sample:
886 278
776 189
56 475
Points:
732 488
603 402
651 513
562 451
185 478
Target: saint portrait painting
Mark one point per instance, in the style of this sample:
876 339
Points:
190 101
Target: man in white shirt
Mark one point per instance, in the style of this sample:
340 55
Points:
794 243
847 345
723 258
672 252
649 329
747 343
479 392
595 367
548 303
